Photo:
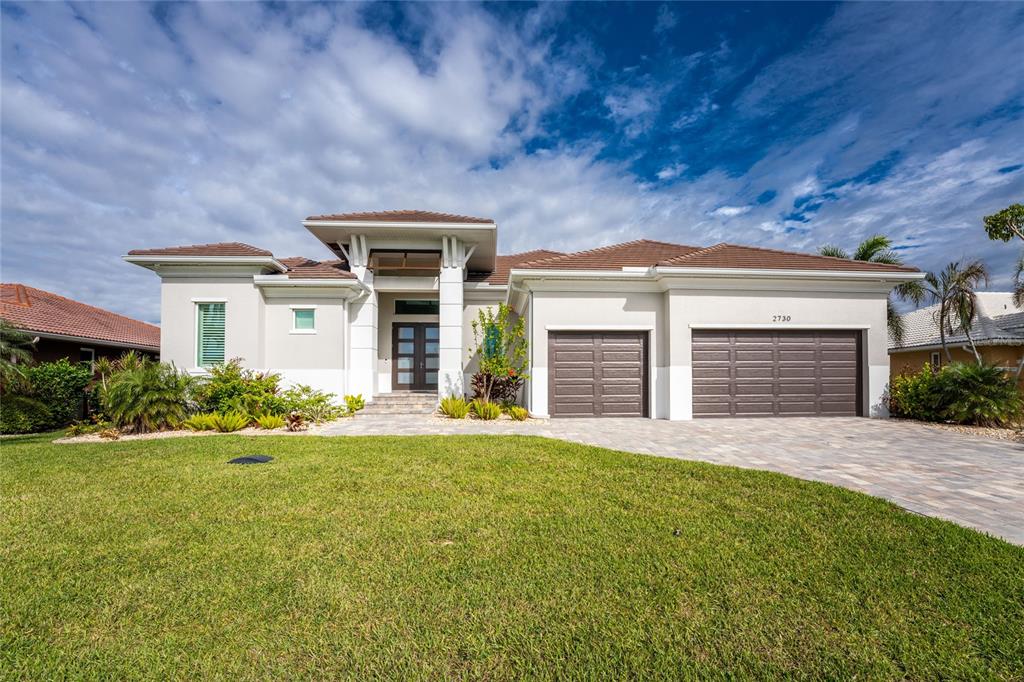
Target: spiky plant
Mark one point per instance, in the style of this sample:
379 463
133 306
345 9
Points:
15 354
146 396
878 249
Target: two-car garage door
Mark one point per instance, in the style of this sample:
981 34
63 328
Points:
776 373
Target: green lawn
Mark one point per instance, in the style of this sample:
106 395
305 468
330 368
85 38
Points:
477 557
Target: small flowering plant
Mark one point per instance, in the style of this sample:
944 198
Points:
499 337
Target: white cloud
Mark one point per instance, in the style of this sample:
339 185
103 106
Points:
730 211
673 171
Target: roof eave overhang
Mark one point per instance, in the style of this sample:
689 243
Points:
154 262
661 271
484 235
326 283
981 343
90 340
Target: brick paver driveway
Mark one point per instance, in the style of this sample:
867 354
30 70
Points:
973 481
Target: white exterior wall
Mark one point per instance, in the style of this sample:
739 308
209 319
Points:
449 377
362 371
243 323
316 359
565 310
852 309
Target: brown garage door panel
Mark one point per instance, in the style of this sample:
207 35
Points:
595 374
785 373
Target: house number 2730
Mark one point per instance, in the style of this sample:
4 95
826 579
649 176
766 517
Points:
781 318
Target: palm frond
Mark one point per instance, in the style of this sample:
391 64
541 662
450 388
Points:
873 247
834 251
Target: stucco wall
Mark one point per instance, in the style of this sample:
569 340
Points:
243 326
912 361
597 310
318 359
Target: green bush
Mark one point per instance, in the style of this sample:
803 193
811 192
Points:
230 421
22 414
963 393
147 396
201 422
232 388
979 394
518 413
456 408
486 410
87 426
313 405
270 421
50 395
354 403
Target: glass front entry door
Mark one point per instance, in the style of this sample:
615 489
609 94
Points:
415 349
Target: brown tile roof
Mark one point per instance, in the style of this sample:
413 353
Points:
734 256
35 310
219 249
503 264
639 253
402 216
307 268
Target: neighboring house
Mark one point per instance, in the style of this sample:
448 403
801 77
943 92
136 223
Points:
640 329
998 333
62 328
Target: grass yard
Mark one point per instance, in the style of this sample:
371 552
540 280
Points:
477 557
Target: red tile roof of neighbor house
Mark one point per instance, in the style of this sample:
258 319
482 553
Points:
35 310
402 216
218 249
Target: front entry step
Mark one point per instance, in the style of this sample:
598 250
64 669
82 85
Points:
402 402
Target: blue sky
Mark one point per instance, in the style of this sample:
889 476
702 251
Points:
573 125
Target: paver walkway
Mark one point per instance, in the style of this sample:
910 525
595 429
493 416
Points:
973 481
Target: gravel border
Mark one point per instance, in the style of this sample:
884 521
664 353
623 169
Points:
993 432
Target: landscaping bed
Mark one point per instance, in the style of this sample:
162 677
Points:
477 557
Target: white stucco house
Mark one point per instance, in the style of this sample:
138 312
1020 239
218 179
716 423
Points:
639 329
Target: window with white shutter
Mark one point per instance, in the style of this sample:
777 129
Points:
210 334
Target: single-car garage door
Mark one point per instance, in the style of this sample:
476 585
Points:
597 374
776 374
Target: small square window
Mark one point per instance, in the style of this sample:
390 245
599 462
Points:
303 319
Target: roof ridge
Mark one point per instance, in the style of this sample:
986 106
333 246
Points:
363 215
602 249
818 255
684 256
20 294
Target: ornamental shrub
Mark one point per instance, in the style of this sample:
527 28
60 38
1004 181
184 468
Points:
456 408
201 422
230 421
270 422
963 393
50 395
314 406
354 403
144 397
232 388
500 341
518 413
485 410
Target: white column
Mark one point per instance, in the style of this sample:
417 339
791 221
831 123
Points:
362 374
450 289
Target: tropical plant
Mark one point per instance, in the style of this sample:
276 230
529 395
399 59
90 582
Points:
233 388
1004 226
878 249
15 355
953 289
86 426
979 394
201 422
146 396
315 406
518 413
270 421
230 421
454 407
49 395
294 421
354 403
499 339
964 393
485 410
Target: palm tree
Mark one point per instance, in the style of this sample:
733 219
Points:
878 249
953 289
1018 283
14 354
